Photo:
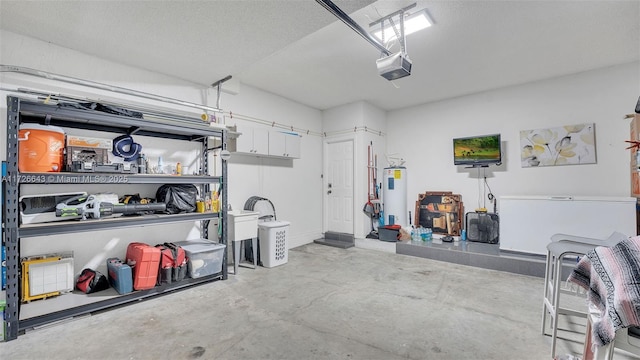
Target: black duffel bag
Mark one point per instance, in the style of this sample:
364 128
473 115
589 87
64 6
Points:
180 198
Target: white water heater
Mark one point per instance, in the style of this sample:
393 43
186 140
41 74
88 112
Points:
394 195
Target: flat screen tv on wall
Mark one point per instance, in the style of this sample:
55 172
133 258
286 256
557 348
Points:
477 150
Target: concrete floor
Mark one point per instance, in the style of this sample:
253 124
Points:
325 303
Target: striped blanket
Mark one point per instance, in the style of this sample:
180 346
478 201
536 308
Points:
611 276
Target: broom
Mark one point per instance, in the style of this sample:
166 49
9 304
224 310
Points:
368 207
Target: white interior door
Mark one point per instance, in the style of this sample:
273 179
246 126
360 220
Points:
339 186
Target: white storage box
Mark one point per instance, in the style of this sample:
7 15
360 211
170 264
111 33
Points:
44 276
204 257
274 247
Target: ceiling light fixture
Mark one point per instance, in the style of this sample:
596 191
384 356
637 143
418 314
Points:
412 23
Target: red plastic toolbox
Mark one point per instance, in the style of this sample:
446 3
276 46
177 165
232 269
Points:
144 260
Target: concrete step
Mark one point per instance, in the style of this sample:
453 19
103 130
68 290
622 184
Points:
334 243
336 239
488 256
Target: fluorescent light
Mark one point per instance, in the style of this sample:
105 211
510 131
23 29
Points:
412 23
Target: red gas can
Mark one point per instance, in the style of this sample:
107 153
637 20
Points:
144 261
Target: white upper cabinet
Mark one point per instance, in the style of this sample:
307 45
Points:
283 144
252 141
261 141
292 146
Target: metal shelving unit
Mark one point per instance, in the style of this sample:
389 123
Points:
106 178
154 124
58 228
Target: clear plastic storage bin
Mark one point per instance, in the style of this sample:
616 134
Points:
204 257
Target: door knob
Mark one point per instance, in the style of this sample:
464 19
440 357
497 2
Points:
329 192
329 185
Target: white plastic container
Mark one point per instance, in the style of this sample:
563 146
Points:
204 257
274 247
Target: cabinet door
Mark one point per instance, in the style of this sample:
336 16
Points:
277 144
244 142
261 141
292 146
282 144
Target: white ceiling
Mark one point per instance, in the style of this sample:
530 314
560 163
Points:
297 49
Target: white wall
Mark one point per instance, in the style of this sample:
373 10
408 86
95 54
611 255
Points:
423 135
292 185
375 120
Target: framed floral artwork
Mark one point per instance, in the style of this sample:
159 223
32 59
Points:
564 145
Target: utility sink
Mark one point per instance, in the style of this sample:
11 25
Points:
243 225
242 212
